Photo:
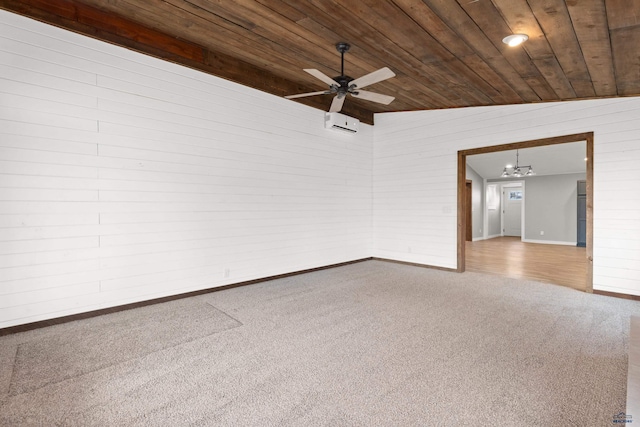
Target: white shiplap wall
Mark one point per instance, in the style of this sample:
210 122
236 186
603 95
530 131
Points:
125 178
415 172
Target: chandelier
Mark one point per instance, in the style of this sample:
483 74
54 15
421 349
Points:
510 171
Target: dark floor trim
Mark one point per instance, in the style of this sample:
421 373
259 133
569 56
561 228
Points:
94 313
617 295
414 264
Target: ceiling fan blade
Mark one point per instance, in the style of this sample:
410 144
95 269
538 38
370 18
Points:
371 78
336 104
372 96
321 76
301 95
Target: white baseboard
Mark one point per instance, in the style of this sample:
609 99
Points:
475 239
550 242
544 242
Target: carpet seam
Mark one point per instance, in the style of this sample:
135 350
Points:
10 394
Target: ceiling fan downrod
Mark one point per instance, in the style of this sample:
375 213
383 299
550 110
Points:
343 80
342 47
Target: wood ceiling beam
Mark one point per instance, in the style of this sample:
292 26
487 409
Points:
96 23
121 31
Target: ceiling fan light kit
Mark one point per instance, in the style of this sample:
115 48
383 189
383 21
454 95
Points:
344 85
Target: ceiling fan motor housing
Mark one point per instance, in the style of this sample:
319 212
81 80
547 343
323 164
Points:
344 84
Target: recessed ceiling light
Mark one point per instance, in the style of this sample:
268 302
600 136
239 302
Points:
515 39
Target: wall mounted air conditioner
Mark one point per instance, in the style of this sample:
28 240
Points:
341 122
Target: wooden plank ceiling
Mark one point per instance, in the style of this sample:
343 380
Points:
446 53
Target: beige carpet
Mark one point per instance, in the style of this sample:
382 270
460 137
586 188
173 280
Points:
368 344
127 335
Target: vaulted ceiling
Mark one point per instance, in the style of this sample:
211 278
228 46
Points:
445 53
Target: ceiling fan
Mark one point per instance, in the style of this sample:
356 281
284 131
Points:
343 85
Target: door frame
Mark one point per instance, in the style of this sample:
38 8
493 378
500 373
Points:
468 210
462 165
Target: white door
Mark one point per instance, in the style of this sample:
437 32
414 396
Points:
513 211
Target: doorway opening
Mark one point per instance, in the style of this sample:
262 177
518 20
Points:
512 218
462 202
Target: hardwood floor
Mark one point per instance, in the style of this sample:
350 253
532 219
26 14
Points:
508 256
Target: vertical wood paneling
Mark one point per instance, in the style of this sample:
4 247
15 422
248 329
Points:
125 178
415 158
